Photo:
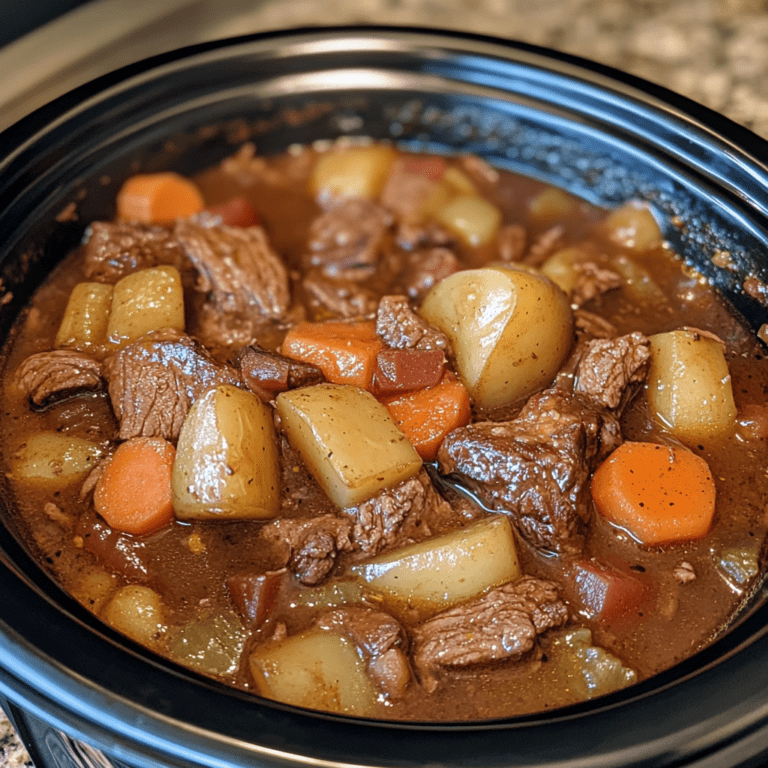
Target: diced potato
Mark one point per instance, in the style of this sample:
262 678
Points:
472 218
138 612
551 203
560 269
348 441
145 301
633 226
510 330
638 282
315 669
54 459
93 588
352 172
332 594
434 574
84 326
212 644
459 182
689 386
226 465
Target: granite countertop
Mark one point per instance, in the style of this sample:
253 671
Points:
713 51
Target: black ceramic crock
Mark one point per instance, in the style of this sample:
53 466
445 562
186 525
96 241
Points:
602 135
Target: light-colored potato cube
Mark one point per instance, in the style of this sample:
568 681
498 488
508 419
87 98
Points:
145 301
472 218
138 612
348 441
315 669
85 321
227 465
689 385
53 458
552 203
633 226
352 172
434 574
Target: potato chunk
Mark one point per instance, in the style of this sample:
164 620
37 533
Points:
449 569
352 172
85 321
145 301
348 441
315 669
54 459
689 386
510 329
226 465
138 612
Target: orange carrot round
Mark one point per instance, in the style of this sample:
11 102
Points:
158 198
658 493
134 493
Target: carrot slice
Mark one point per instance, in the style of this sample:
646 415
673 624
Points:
134 493
658 493
426 416
158 198
344 352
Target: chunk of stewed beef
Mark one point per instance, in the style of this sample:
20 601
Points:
115 249
49 376
425 268
396 515
345 242
238 269
592 280
380 640
537 466
266 373
337 298
590 325
400 327
502 624
154 381
311 545
609 367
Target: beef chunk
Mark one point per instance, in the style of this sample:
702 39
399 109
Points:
589 324
425 268
48 376
380 641
396 515
409 184
114 250
512 242
154 381
502 624
338 298
536 467
239 270
346 241
609 366
311 544
401 328
545 245
593 280
429 234
266 373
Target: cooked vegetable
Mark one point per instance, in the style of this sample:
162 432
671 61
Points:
352 172
212 644
633 226
428 415
658 493
510 330
403 370
256 594
94 588
689 385
347 440
158 198
133 493
552 203
54 458
145 301
739 565
226 464
85 321
638 283
237 212
345 352
471 217
445 570
560 269
138 612
315 669
607 593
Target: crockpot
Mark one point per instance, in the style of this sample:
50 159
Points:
72 685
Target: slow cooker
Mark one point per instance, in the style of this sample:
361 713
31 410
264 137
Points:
83 695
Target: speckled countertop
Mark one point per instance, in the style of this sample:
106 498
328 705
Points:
713 51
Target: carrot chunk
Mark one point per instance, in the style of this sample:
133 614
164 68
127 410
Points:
134 493
158 198
344 352
658 493
426 416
